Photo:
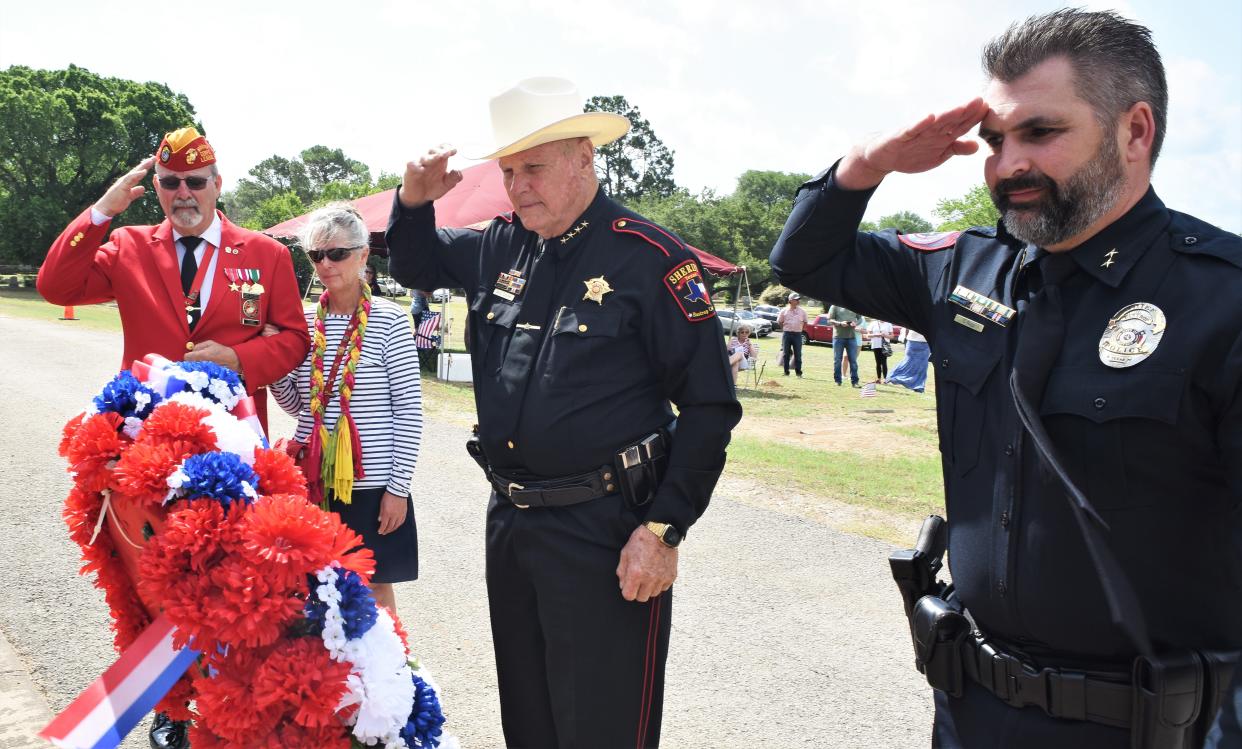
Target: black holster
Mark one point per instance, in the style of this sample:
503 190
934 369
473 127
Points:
939 632
1177 697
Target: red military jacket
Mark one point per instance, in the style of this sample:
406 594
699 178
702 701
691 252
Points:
138 268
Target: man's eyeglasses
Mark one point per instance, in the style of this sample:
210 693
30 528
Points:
194 183
336 254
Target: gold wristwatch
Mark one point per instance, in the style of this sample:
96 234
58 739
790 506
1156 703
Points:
668 535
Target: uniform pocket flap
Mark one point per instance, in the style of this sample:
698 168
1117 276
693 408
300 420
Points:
587 322
968 366
1114 394
495 311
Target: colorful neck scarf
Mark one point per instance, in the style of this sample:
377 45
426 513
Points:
335 460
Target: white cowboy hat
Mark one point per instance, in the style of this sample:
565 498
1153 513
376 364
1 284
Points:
541 110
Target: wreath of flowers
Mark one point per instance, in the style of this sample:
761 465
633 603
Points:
270 589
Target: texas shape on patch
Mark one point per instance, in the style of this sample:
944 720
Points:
685 283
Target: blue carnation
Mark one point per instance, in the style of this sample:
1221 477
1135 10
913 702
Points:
358 610
424 726
121 396
218 476
214 372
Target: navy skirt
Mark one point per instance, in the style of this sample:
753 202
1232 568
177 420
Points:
396 554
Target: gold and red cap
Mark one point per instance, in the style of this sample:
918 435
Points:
184 150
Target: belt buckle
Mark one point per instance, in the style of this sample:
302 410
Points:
509 491
1023 686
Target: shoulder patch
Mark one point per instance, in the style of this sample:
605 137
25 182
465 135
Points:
685 282
930 241
654 235
482 225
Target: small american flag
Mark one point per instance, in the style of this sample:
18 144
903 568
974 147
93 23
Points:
868 390
428 333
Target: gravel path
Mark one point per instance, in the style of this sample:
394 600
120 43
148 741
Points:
787 633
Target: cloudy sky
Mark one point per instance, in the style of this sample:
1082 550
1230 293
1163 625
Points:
769 84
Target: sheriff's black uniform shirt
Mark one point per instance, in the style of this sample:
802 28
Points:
581 343
1156 446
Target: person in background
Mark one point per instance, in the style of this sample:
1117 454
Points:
911 372
845 339
792 320
373 282
363 354
878 335
742 351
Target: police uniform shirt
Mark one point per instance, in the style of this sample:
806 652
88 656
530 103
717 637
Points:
580 342
1156 446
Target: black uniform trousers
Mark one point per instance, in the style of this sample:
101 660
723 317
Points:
577 664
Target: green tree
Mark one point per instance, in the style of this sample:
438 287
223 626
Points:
65 137
906 222
975 208
279 188
637 164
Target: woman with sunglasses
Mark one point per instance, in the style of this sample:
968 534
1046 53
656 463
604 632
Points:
358 400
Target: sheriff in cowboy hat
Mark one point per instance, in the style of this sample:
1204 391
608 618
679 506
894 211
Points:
588 324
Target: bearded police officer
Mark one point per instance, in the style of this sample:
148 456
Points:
1089 389
587 323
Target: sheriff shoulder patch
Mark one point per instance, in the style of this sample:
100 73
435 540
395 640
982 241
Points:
930 241
685 283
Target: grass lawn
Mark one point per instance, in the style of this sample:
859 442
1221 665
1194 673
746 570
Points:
805 436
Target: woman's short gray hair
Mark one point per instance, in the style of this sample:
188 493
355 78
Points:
747 328
340 220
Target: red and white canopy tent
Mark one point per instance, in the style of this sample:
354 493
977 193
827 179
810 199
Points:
480 196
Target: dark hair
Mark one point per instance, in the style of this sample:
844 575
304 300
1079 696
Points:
1115 63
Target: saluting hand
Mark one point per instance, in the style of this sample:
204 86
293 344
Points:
925 145
428 178
647 567
125 190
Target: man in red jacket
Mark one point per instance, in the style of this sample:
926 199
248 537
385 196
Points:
195 287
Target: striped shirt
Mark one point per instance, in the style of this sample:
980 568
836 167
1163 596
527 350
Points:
387 401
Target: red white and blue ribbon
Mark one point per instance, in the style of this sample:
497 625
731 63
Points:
110 707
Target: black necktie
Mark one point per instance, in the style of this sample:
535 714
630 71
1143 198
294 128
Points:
1039 345
189 269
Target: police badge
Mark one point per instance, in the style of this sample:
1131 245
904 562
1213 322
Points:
1132 335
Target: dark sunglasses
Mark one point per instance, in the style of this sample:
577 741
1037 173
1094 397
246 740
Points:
194 183
336 254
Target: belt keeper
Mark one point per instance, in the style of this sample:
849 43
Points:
1068 695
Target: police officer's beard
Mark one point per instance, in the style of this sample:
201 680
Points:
1065 210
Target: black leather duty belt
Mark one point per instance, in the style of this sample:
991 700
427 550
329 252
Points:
559 492
1098 696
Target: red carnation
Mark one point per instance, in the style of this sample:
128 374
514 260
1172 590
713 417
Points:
278 474
81 513
142 475
303 681
93 446
396 624
286 538
294 736
249 609
177 421
226 699
66 434
347 549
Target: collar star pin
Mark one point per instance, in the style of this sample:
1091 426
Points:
1109 261
596 289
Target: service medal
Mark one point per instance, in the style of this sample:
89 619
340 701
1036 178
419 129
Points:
1132 335
596 288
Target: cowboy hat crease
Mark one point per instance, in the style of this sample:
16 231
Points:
541 110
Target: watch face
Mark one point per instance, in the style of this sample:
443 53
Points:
672 536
